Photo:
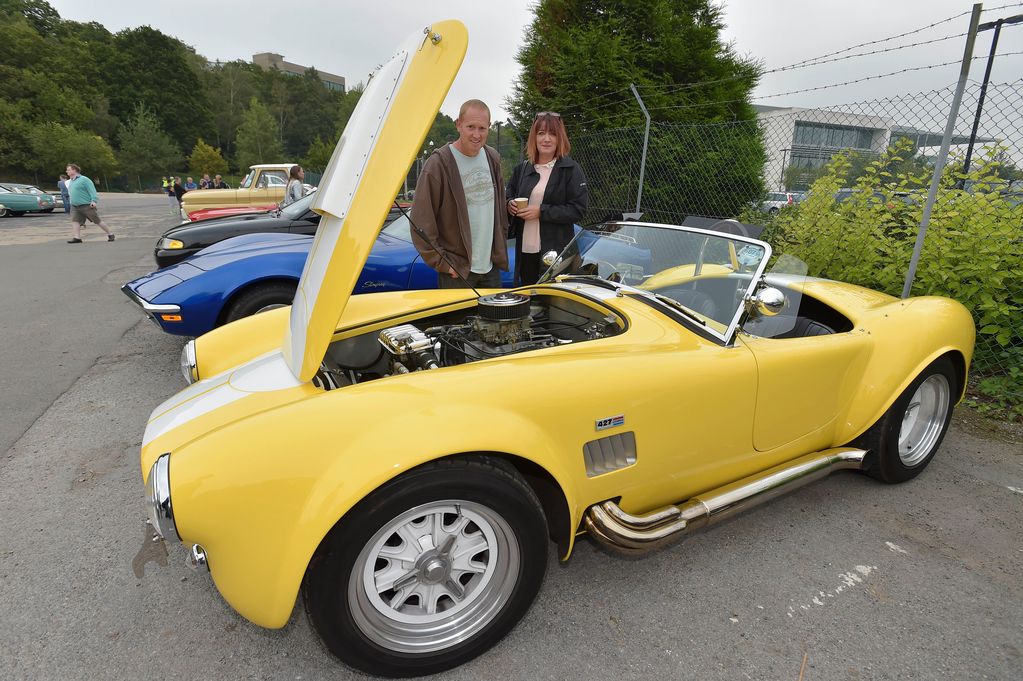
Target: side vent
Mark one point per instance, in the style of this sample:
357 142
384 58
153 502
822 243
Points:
609 453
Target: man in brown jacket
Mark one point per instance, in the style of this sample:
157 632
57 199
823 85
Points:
460 206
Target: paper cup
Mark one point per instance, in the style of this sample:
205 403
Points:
521 202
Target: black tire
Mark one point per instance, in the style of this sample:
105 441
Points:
5 212
919 418
475 504
260 298
46 210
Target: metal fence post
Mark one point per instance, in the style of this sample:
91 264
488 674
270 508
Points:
939 163
646 138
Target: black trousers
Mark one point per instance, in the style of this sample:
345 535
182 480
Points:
529 268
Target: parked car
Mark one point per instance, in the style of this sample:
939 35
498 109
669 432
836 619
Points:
263 185
17 200
243 275
227 211
188 238
55 199
401 459
775 201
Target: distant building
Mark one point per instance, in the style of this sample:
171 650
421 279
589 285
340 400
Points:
269 60
809 138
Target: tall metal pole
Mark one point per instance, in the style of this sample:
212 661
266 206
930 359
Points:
983 93
646 139
939 163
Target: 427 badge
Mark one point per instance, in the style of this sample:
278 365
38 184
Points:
611 422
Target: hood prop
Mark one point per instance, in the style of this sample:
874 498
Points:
624 533
422 235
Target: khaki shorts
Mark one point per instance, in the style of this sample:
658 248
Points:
85 212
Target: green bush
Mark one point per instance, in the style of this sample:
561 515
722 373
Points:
973 251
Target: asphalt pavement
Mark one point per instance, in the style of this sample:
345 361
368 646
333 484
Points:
844 579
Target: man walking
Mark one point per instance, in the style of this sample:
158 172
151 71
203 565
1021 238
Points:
83 204
460 206
65 196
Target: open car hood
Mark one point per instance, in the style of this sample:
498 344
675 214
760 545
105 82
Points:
377 147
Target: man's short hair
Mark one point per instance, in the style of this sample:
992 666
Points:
473 104
75 166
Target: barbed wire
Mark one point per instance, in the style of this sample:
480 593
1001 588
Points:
795 92
806 62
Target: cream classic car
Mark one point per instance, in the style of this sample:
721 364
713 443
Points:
404 461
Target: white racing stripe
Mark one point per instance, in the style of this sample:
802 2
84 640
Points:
263 374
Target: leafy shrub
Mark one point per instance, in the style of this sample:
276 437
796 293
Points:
973 251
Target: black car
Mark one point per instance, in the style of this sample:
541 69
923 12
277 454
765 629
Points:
186 239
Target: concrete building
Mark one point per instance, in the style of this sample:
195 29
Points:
270 60
809 138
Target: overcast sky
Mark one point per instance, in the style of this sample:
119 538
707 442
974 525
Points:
350 39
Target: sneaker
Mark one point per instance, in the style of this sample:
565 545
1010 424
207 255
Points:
110 237
75 241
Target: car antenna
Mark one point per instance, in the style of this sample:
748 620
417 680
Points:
422 235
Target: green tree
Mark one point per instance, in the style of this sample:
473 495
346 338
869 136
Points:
229 86
206 159
347 106
258 140
54 145
155 69
318 155
580 57
144 147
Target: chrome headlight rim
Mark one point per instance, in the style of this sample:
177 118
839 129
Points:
161 513
188 365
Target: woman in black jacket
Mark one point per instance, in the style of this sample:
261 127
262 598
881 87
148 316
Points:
555 189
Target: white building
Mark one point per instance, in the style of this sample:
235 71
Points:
809 138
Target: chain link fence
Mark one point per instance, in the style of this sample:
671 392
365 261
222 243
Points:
844 188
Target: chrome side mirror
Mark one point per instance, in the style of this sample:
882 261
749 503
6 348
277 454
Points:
549 258
767 301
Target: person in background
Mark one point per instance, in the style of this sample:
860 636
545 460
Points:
556 188
205 182
65 196
293 192
179 192
171 198
460 206
190 185
83 204
218 183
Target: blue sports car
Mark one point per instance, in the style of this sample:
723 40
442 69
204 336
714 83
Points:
252 273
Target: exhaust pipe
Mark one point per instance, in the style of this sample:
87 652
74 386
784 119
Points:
625 533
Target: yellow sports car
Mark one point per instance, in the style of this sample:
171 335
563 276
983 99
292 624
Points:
404 460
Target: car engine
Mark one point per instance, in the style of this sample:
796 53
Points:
500 324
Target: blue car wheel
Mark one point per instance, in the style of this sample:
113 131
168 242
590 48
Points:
260 298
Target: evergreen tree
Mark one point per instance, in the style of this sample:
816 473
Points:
258 139
145 149
580 58
318 155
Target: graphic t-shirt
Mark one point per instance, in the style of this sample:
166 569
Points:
479 199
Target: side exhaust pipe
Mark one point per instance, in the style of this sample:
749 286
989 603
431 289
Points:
625 533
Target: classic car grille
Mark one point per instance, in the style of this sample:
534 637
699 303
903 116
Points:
609 453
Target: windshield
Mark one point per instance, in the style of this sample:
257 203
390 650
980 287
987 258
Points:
248 180
703 274
293 211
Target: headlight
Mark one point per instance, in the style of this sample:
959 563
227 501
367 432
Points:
158 495
170 244
188 368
